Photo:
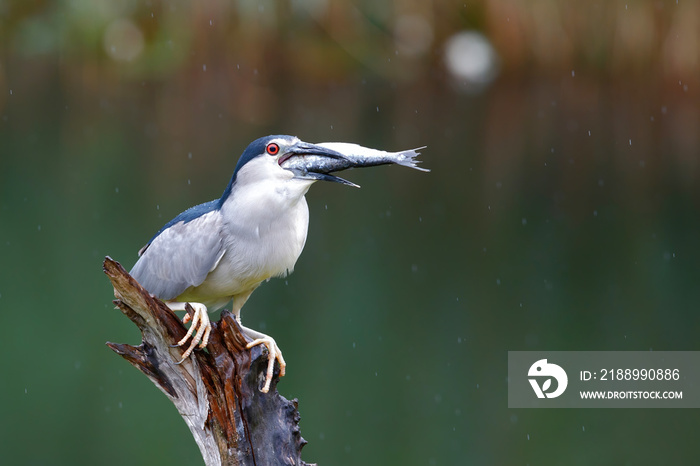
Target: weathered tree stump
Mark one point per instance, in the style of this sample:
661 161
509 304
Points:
217 392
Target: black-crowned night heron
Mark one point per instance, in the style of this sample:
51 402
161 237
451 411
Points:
223 249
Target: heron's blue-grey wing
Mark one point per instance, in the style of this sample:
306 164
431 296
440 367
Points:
181 255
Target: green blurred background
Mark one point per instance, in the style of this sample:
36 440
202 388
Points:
561 213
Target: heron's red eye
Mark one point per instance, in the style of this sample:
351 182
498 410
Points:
273 149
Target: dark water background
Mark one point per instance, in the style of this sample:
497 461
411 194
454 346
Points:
561 213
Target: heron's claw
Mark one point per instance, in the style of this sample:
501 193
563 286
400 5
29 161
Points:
273 353
200 329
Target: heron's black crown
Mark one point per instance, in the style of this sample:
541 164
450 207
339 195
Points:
254 149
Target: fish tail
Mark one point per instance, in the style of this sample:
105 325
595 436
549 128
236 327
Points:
408 159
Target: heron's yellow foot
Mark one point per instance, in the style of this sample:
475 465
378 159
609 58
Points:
273 353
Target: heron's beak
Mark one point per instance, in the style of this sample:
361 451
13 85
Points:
313 162
326 177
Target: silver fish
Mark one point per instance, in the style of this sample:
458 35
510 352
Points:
351 156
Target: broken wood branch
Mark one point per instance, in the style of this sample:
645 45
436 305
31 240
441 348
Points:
217 392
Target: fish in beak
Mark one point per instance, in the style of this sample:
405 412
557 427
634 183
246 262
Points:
317 161
311 162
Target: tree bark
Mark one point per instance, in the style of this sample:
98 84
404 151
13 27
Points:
217 392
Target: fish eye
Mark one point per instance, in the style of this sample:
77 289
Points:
272 149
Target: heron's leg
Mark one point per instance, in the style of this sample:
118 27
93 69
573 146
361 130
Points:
273 353
200 324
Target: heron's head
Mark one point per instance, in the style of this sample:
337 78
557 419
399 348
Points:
263 158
